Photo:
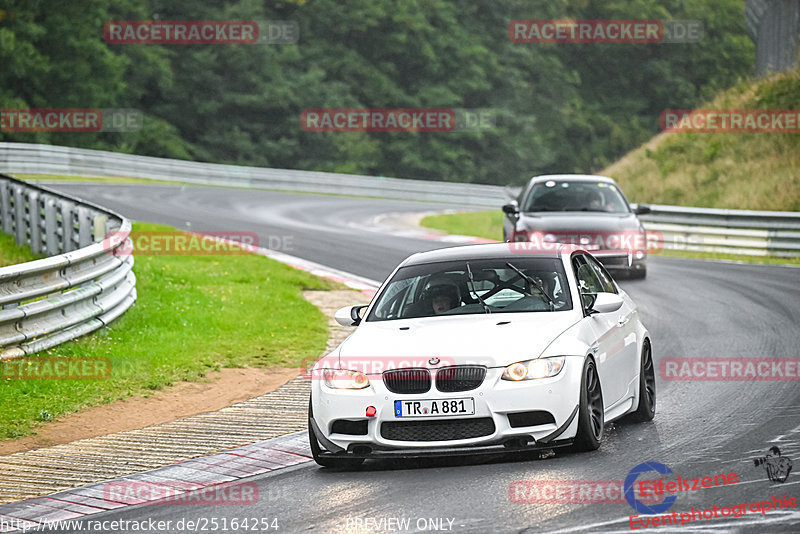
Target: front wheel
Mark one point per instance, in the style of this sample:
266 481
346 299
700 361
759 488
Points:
647 387
327 461
591 418
638 274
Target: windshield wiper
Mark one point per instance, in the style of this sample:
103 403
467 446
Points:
534 283
472 288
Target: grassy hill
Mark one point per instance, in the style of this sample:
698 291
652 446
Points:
758 171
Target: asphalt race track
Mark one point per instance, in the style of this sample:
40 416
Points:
702 428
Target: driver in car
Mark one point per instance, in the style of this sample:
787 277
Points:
443 297
595 201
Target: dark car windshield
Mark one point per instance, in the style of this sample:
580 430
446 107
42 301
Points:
445 288
563 195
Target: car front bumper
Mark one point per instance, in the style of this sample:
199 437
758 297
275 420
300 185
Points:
622 259
494 400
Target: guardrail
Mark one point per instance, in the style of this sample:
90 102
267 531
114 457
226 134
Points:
759 233
756 233
81 287
48 159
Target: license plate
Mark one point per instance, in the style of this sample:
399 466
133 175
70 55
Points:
438 407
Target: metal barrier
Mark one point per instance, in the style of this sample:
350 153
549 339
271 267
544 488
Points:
757 233
48 159
81 287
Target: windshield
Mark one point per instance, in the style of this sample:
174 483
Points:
446 288
555 195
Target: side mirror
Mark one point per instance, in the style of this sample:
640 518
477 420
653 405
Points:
349 315
605 303
641 209
512 208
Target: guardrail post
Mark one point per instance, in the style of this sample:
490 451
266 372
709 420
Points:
99 225
35 222
20 218
85 226
5 207
51 226
67 226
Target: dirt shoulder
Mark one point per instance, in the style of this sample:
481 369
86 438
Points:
221 389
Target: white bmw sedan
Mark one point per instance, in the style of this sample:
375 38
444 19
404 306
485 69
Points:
482 348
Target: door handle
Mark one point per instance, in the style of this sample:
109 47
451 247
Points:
623 321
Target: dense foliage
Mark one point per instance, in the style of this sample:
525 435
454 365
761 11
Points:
557 107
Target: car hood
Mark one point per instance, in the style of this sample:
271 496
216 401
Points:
488 339
577 221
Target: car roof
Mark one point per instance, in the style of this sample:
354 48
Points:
479 252
572 178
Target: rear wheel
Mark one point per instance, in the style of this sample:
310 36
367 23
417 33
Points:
327 461
647 387
591 419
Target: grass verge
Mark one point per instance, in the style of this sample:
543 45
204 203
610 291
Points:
486 224
11 254
194 314
90 179
489 224
771 260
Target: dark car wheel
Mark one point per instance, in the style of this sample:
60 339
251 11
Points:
326 461
638 274
647 387
591 419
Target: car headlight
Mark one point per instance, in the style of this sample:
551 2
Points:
532 369
345 379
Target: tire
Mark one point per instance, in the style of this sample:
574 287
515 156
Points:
327 461
638 274
647 387
591 420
